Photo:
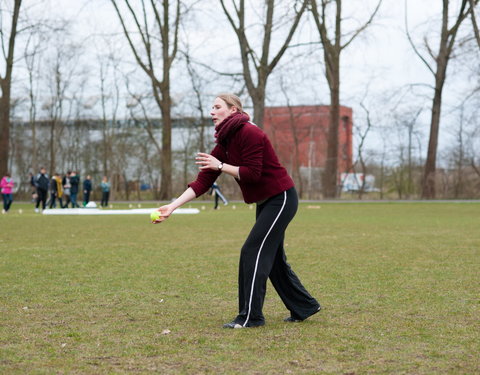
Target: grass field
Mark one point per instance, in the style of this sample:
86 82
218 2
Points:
399 284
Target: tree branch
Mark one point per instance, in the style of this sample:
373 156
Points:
409 37
245 49
292 30
175 34
209 67
474 21
365 25
452 33
129 39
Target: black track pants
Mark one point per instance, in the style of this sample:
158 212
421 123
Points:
263 257
41 197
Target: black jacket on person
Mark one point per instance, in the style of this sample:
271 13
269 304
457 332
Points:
42 182
74 181
87 185
53 186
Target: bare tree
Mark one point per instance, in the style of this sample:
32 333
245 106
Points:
189 140
34 48
407 121
198 88
474 160
109 103
6 81
157 34
139 102
459 157
361 149
473 141
298 136
439 71
61 69
259 63
145 121
463 150
476 31
362 130
332 49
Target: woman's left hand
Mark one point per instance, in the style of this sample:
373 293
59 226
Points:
207 161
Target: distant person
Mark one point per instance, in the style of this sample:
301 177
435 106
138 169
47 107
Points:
74 184
56 191
105 186
66 188
215 190
41 184
87 189
51 203
6 185
58 178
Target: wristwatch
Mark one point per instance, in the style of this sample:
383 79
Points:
220 166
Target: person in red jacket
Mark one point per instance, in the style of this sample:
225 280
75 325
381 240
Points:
244 152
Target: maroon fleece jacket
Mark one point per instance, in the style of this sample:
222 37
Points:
261 174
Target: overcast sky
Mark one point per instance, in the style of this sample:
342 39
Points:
379 62
383 48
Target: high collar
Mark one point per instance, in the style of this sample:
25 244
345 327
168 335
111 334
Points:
229 126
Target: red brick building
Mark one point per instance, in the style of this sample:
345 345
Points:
299 135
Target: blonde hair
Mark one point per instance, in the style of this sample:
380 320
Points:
232 101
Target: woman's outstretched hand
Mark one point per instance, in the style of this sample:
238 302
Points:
165 212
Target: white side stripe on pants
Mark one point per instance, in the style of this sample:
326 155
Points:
258 256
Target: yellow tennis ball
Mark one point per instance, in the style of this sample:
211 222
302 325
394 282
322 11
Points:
155 215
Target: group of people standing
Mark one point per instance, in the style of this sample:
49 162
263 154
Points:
47 191
64 189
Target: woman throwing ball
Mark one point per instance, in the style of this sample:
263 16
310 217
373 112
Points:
244 152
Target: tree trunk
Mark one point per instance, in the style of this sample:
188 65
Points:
166 162
5 84
259 107
331 166
167 38
4 127
447 40
428 190
428 186
332 48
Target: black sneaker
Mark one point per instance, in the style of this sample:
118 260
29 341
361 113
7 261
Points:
291 319
236 325
233 325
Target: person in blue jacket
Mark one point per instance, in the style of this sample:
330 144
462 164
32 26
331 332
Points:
105 186
215 190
